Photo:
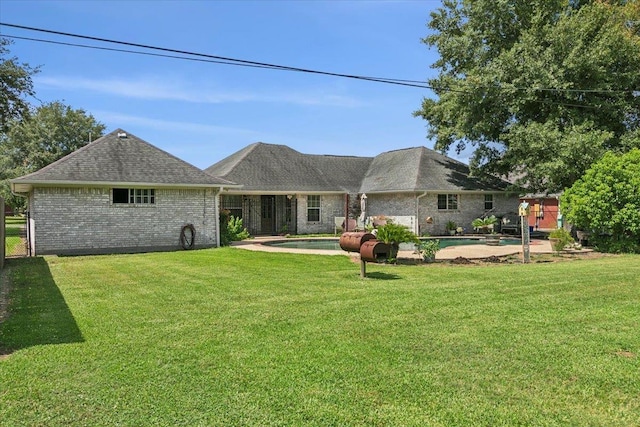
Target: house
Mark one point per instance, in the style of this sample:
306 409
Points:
120 194
284 190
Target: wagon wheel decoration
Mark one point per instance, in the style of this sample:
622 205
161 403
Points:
187 236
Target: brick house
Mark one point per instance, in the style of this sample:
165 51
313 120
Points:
284 190
119 194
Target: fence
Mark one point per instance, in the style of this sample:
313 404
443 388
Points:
13 236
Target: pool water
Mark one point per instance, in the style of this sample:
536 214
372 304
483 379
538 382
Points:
331 244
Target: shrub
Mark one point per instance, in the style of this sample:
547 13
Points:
606 202
487 223
393 234
428 249
561 239
231 228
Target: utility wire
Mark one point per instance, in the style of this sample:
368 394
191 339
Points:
254 64
227 59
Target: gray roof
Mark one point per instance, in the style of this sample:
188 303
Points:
264 168
122 160
420 169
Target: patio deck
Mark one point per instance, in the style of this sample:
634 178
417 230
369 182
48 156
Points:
451 252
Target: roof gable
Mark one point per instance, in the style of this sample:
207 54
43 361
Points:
420 169
122 158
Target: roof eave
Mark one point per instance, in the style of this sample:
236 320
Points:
24 186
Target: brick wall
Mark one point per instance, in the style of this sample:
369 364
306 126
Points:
331 205
83 220
470 206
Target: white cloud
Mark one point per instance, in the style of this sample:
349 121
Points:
121 120
151 88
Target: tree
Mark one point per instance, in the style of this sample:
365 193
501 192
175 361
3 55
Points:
539 89
43 136
15 84
606 202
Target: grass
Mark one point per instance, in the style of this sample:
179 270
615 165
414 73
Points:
229 337
13 226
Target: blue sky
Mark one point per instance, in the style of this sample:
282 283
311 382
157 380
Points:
203 112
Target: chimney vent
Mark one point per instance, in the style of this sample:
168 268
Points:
122 134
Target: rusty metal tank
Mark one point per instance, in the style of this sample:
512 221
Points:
351 241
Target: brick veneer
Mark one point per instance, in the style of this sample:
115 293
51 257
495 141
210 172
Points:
83 220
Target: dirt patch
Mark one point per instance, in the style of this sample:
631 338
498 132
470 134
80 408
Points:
461 261
625 354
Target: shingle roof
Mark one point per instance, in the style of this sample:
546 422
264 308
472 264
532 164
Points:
277 168
123 160
421 169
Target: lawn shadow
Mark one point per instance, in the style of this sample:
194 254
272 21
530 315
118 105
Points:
32 308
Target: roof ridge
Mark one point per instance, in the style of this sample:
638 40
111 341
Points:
70 155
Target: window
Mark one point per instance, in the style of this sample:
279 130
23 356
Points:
233 204
138 196
447 201
488 202
313 208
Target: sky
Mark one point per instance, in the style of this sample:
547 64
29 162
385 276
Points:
203 112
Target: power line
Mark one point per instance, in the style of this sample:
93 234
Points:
254 64
234 61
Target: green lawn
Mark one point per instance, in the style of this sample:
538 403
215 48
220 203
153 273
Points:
228 337
13 225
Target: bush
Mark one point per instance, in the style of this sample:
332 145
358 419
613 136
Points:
393 234
486 224
231 229
606 202
562 238
428 249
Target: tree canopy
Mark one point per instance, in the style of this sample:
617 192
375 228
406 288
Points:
540 89
606 202
15 85
44 135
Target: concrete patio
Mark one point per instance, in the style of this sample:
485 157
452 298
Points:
477 251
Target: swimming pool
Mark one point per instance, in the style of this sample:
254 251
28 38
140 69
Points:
334 244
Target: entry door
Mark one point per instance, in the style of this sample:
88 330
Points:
268 209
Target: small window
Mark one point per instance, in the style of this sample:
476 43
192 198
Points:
142 196
488 202
447 201
313 208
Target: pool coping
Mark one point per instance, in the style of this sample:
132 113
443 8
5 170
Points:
475 251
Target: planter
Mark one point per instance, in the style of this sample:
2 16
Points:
492 240
452 232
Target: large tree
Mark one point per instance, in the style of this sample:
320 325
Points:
540 89
15 86
43 136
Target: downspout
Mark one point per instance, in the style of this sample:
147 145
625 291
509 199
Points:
216 213
418 212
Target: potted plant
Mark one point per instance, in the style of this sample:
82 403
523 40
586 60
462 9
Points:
492 239
451 227
484 224
559 239
428 249
393 234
